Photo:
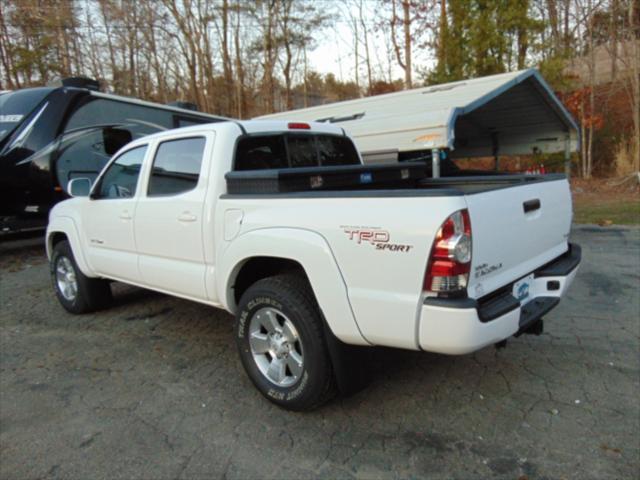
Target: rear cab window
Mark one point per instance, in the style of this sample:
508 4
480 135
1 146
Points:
294 150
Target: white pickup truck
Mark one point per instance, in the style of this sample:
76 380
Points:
446 265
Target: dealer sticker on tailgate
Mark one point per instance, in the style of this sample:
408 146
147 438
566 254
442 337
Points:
522 289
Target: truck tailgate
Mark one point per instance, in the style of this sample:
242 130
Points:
516 230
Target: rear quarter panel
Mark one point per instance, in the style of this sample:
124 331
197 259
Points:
380 246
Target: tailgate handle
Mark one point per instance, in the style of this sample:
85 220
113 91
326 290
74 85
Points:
531 205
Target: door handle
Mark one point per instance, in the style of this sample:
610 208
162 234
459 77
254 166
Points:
125 215
531 205
187 217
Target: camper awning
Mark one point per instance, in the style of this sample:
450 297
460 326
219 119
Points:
508 114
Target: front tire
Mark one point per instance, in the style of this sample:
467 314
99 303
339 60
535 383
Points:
76 292
280 336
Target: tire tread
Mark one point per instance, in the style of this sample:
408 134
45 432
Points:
93 293
295 287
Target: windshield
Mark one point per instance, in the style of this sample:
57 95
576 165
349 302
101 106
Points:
15 106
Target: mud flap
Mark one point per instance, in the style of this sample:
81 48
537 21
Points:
351 364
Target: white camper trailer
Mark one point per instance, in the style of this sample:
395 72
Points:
508 114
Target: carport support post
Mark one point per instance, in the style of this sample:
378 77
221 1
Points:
435 162
495 149
567 156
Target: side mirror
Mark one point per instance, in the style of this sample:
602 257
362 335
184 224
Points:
79 187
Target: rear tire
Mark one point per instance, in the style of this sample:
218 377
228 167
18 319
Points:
280 336
76 292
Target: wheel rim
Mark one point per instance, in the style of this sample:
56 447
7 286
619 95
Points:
66 278
276 347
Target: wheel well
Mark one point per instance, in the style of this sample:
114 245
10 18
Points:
257 268
56 238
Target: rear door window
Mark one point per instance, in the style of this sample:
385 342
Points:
176 166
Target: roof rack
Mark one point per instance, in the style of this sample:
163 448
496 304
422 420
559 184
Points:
77 82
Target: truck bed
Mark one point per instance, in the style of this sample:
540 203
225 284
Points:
404 179
470 184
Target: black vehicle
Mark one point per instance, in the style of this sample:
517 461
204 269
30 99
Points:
51 135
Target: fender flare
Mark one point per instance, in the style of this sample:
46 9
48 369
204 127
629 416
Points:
67 226
313 253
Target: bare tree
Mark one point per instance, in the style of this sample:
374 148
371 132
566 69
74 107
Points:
266 13
287 36
11 78
365 36
403 55
630 57
402 48
241 102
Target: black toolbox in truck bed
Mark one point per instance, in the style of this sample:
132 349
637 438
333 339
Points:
283 180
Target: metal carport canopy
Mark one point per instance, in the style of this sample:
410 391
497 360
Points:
507 114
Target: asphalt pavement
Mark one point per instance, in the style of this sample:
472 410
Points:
152 388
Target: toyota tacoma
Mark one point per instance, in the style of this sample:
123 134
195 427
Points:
312 252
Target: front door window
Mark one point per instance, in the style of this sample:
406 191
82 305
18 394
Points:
121 178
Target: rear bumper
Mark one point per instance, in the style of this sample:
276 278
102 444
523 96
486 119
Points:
459 326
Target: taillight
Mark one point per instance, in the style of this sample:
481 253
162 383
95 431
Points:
450 259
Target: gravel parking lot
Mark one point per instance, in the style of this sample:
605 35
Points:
153 389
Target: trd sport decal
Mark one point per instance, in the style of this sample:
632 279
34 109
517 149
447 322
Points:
380 239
